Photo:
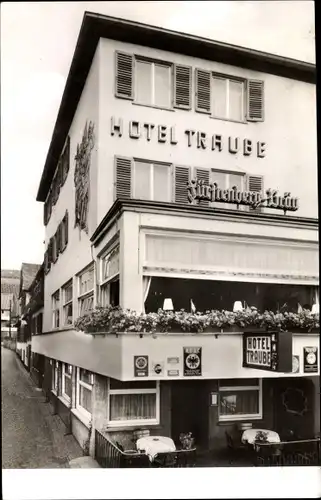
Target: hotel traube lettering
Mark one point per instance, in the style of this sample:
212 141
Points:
197 190
270 351
192 138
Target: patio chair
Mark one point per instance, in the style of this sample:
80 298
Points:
238 451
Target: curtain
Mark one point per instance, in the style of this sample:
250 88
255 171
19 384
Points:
146 286
132 406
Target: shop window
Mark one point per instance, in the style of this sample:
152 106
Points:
56 309
67 304
133 403
240 399
86 291
66 383
85 382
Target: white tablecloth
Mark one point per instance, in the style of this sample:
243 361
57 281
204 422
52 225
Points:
152 445
248 436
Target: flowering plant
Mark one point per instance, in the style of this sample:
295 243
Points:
187 440
261 436
116 319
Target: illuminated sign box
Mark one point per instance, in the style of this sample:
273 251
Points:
271 351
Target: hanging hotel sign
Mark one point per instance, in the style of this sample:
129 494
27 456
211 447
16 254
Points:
197 190
310 359
270 351
140 366
192 361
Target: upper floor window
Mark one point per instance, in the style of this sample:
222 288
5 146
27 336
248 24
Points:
143 180
56 309
67 303
228 98
153 82
86 290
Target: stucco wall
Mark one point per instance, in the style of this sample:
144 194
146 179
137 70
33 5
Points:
289 131
78 251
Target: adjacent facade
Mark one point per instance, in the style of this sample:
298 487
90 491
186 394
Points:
175 174
10 280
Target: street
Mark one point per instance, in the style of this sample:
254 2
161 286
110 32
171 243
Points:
29 438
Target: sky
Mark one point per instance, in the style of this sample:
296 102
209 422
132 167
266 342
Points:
37 45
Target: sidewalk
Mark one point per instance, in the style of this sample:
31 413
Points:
66 447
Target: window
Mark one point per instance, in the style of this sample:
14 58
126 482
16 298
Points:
64 232
67 304
85 381
55 375
56 309
228 98
226 180
151 181
54 249
153 83
86 291
66 385
109 278
132 403
240 399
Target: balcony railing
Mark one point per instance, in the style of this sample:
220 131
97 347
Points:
108 455
287 453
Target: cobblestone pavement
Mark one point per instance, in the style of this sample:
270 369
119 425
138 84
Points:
31 437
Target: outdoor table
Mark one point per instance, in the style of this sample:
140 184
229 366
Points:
248 436
152 445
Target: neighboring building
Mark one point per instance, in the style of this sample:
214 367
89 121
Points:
33 315
27 275
146 111
10 280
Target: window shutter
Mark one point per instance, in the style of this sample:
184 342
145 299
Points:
50 251
65 161
182 87
203 174
203 91
66 228
182 177
124 75
45 213
58 239
255 101
123 177
255 183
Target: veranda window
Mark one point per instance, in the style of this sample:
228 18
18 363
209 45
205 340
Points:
86 291
66 381
133 403
85 382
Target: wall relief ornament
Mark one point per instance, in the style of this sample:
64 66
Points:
82 176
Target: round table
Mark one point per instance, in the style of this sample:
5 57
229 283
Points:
152 445
248 436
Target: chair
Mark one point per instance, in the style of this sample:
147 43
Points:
236 448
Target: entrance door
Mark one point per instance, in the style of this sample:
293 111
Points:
294 408
190 410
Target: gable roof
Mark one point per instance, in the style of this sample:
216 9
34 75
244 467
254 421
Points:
10 273
28 274
94 26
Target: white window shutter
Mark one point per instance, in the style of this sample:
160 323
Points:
124 75
203 90
255 183
182 177
203 174
182 87
123 177
255 101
